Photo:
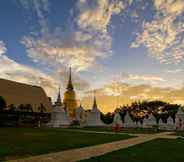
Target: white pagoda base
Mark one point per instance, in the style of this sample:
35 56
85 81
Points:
94 119
59 118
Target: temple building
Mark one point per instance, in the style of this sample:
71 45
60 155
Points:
17 93
69 100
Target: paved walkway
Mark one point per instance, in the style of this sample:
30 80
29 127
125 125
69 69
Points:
91 151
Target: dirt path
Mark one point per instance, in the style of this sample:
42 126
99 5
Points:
91 151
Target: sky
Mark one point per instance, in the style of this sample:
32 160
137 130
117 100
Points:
124 50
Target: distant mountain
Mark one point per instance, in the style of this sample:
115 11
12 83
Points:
19 93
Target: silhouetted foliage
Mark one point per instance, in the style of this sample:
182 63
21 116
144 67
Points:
12 108
41 108
140 110
107 118
2 103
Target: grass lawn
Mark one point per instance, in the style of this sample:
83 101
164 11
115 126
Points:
123 130
179 133
159 150
23 142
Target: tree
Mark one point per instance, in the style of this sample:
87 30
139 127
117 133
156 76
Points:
29 108
107 118
42 108
21 107
12 107
2 103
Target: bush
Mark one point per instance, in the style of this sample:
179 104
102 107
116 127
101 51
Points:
2 103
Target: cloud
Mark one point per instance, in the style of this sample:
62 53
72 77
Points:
81 48
57 52
175 71
110 96
11 70
97 18
164 35
2 48
40 8
146 78
139 79
21 73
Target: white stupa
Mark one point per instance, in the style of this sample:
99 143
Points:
59 117
170 121
128 122
117 120
149 122
170 124
81 115
162 125
180 119
93 117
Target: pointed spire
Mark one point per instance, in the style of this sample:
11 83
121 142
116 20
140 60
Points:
70 85
58 101
94 103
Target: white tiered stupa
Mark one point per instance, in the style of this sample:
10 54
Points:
93 117
149 122
180 119
81 115
170 124
59 117
128 122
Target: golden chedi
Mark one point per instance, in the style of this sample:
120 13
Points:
70 101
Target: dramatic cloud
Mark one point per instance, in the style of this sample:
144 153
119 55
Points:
98 18
81 48
12 70
40 8
175 71
164 35
139 79
111 96
2 48
17 72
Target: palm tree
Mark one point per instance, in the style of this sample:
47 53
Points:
2 103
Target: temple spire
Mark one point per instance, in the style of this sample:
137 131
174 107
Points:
70 85
94 103
58 101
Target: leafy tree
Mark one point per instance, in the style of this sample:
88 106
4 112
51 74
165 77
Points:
2 103
107 118
21 107
141 109
28 108
41 108
12 107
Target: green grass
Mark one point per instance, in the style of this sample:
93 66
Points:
159 150
179 133
123 130
23 142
